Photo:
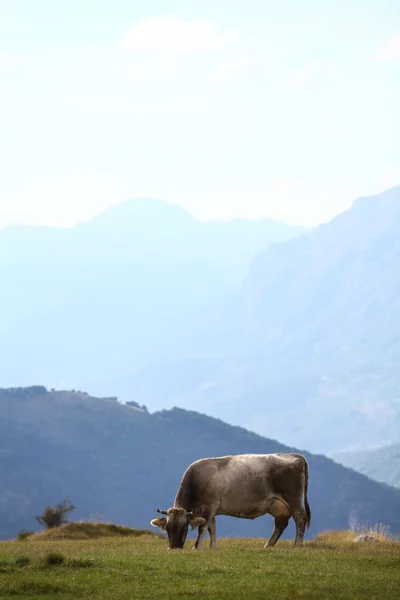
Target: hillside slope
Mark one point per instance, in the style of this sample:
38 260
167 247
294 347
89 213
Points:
381 464
121 463
308 351
328 300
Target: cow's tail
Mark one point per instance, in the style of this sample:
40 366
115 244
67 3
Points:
306 505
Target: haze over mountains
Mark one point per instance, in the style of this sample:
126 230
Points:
381 464
308 350
120 463
98 301
149 304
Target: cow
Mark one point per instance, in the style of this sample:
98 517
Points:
246 486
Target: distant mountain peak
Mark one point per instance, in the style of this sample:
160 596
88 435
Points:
140 211
388 198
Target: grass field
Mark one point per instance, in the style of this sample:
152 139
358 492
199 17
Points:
130 567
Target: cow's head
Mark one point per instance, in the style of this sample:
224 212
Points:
176 524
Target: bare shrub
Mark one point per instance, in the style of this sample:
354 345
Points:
54 516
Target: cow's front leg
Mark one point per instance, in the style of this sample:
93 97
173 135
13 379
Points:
199 540
209 518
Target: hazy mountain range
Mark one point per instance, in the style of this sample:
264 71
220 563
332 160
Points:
307 351
100 300
120 463
382 464
291 333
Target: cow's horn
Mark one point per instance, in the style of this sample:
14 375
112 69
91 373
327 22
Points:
189 514
162 512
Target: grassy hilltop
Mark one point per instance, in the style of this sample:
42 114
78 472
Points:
116 568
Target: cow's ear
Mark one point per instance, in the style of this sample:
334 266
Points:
160 522
196 522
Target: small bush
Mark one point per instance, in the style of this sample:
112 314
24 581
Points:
4 562
54 516
54 558
22 561
23 535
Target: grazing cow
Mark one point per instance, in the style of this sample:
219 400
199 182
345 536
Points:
245 486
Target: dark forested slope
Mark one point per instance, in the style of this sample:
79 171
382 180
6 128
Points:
121 463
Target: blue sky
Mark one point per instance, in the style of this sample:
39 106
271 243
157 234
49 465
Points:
245 108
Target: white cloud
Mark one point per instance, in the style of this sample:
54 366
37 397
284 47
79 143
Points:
172 34
318 73
237 66
4 16
11 60
390 51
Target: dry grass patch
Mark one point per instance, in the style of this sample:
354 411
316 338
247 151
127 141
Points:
380 533
86 531
335 537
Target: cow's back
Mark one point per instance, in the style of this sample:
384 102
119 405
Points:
241 484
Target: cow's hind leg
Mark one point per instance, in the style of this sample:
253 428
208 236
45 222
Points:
212 530
280 510
300 518
280 525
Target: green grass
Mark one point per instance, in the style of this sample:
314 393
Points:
129 567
